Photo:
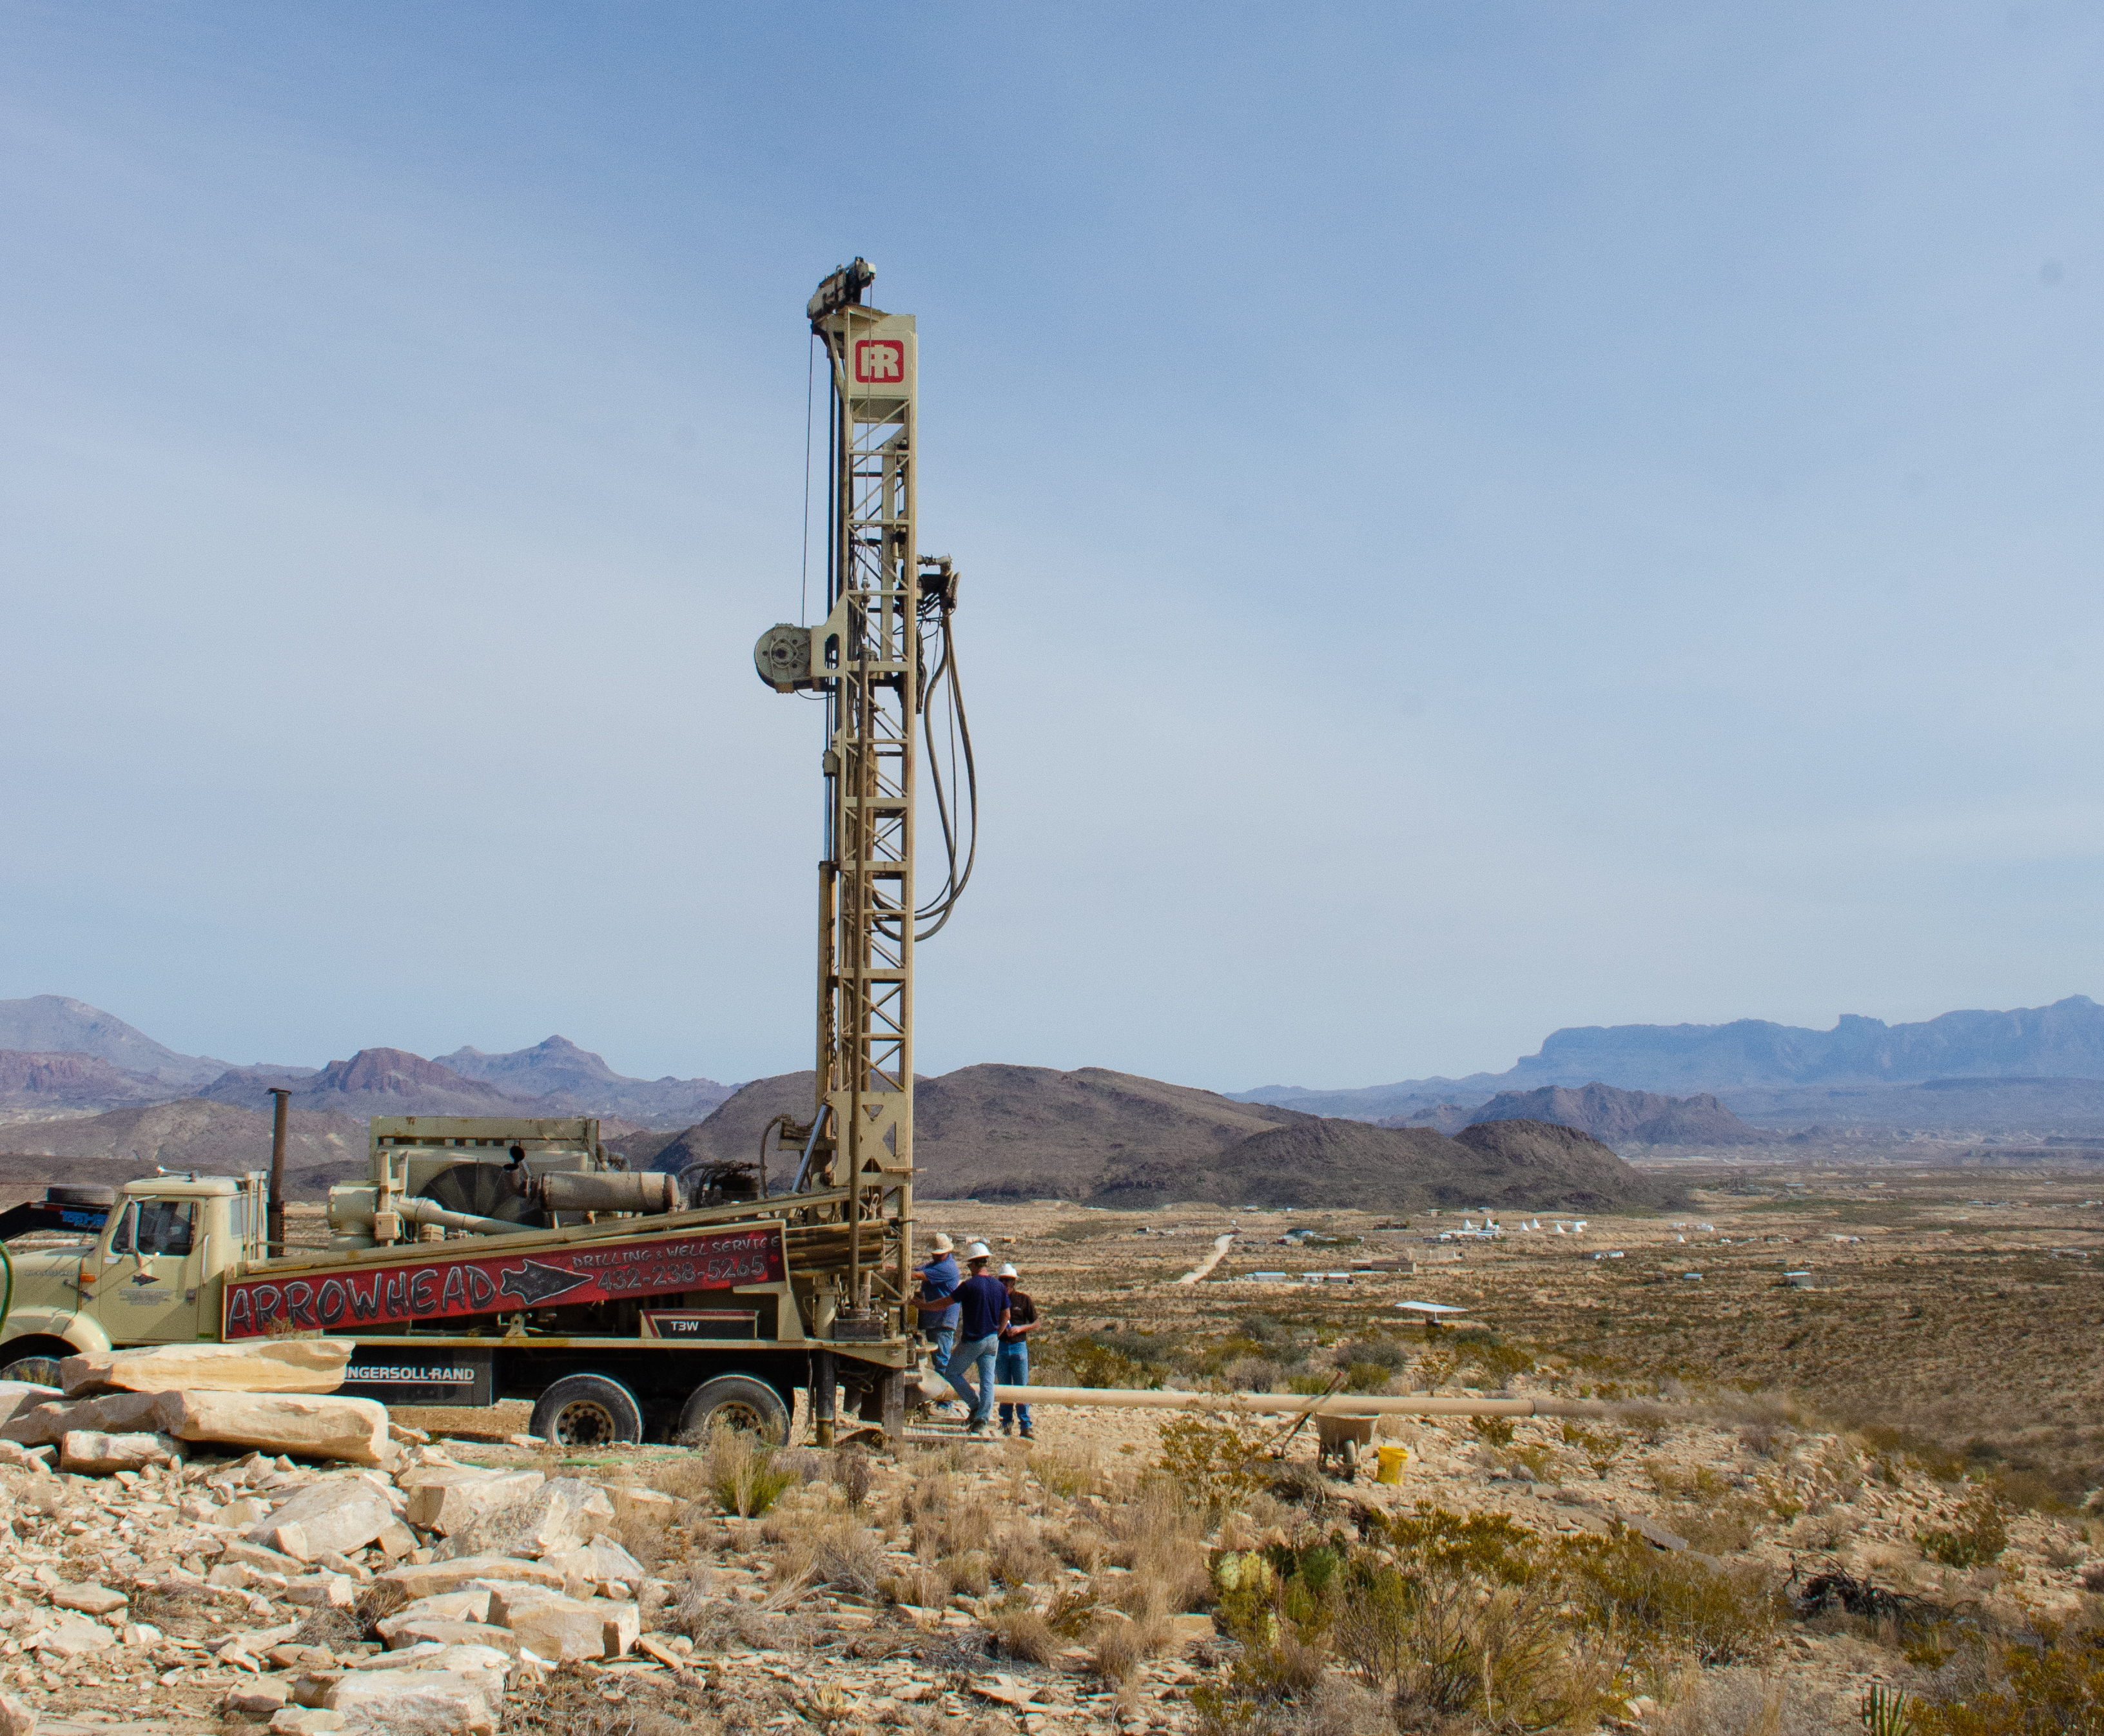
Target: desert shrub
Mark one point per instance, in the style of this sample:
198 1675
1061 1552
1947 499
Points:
1501 1361
924 1587
1119 1648
851 1472
1211 1458
1161 1538
1743 1702
1253 1374
1497 1431
1019 1630
1063 1473
1366 1377
743 1472
1666 1599
2053 1684
1091 1363
1019 1558
825 1548
574 1700
966 1571
1599 1448
1298 1482
1979 1535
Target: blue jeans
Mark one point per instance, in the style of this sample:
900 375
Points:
970 1353
944 1336
1011 1368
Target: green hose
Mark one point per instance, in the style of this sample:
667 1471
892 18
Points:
7 1294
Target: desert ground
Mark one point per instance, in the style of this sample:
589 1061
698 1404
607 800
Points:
1796 1496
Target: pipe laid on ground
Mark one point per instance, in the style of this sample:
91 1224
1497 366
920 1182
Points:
1288 1403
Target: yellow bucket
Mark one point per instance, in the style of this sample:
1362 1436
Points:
1390 1468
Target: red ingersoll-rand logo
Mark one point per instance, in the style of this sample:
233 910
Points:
880 361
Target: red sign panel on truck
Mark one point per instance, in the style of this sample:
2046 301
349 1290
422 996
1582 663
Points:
423 1288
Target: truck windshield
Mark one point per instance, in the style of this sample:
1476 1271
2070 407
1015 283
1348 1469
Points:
155 1226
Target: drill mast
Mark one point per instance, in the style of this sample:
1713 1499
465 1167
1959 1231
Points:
866 659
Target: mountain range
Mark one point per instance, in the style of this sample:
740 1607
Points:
994 1132
1862 1072
62 1057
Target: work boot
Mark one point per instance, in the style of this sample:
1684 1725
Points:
1004 1430
1027 1435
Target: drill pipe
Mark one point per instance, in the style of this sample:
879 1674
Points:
1291 1403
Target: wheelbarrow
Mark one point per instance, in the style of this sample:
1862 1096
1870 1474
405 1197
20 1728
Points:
1340 1442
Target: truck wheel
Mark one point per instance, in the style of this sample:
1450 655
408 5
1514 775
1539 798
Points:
736 1401
38 1371
588 1410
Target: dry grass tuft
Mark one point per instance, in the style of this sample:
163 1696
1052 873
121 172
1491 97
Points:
1119 1648
1021 1631
821 1547
573 1701
746 1475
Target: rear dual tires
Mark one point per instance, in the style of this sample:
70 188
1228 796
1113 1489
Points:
588 1410
595 1410
736 1401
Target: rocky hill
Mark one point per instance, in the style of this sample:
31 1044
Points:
36 1086
191 1133
581 1083
1005 1132
374 1082
1617 1118
1315 1162
58 1024
1024 1132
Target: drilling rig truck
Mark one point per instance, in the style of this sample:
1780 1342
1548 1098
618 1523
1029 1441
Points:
484 1260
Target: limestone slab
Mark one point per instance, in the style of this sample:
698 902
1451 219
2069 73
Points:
352 1430
301 1365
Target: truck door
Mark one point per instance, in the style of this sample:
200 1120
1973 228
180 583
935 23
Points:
148 1294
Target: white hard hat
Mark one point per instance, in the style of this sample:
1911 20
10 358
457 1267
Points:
979 1251
1007 1271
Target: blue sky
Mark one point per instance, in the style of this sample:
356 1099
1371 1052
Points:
1475 519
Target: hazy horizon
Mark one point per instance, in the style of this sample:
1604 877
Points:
1473 521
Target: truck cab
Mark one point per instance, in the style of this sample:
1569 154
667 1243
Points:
152 1273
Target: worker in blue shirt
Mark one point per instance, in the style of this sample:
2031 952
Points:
938 1309
982 1307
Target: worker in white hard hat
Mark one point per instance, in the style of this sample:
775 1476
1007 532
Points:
983 1303
937 1302
1011 1366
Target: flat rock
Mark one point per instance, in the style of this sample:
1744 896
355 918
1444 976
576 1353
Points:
47 1424
256 1699
353 1430
470 1605
72 1635
305 1721
450 1500
434 1578
16 1717
433 1703
321 1592
555 1518
1653 1533
89 1599
428 1631
89 1453
601 1562
311 1365
565 1630
338 1513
